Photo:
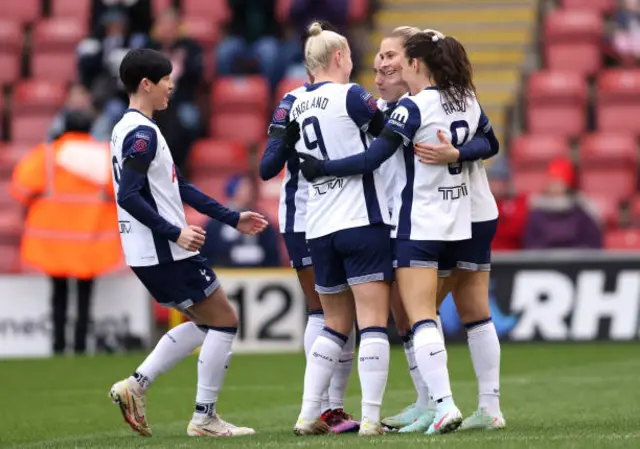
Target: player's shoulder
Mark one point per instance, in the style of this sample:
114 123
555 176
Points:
133 120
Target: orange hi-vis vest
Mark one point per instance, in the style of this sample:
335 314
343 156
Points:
71 228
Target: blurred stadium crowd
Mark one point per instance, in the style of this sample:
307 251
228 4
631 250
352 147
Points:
567 176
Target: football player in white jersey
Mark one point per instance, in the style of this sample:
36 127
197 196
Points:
280 154
347 231
468 270
162 250
387 68
433 205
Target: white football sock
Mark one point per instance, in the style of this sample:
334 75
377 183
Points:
423 401
213 363
431 357
340 378
373 370
321 363
485 355
174 346
315 325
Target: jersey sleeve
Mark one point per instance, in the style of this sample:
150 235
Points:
361 106
405 120
281 116
140 144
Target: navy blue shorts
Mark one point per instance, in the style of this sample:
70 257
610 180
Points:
421 253
350 257
473 254
299 255
179 284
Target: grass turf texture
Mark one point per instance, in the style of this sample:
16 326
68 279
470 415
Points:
553 396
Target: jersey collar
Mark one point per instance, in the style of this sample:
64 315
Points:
135 110
312 87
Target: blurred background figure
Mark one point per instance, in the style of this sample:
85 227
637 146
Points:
561 217
512 208
626 35
252 36
226 247
79 99
70 230
181 121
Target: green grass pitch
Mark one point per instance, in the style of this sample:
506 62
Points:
553 396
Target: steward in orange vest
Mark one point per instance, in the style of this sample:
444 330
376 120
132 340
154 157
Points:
71 228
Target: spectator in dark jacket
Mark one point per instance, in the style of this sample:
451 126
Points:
301 14
99 60
513 208
252 34
561 217
137 12
181 121
226 247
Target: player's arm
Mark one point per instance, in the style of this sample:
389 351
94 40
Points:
204 204
283 136
363 110
138 151
484 143
400 129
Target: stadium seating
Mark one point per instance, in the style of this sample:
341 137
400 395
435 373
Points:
617 183
608 210
599 6
11 37
9 258
55 66
572 40
623 239
213 186
248 127
535 151
202 31
358 10
634 211
30 129
618 100
240 94
211 156
10 63
608 149
217 11
58 34
529 181
38 96
556 103
23 11
78 10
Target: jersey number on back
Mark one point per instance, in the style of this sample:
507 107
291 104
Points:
459 135
317 141
116 170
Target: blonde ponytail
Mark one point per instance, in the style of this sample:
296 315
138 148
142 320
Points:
320 47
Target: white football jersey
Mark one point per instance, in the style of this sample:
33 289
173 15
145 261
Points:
433 201
483 203
137 133
333 121
294 188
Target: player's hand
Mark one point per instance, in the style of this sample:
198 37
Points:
191 238
251 223
311 167
445 153
292 134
